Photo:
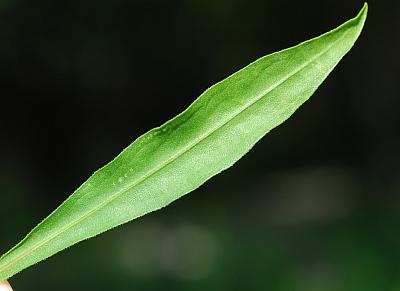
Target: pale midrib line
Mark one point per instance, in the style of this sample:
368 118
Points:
175 157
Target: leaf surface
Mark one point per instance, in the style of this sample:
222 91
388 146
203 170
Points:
167 162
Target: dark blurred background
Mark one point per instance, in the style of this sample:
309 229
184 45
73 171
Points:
314 206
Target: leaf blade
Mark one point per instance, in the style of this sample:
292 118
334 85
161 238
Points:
176 158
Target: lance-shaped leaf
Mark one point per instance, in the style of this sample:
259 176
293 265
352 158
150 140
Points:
167 162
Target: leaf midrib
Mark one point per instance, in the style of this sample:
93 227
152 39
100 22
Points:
173 158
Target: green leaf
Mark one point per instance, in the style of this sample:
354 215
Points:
167 162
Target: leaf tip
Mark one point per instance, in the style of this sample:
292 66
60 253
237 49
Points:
357 23
362 15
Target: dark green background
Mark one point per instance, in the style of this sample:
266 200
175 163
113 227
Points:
314 206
